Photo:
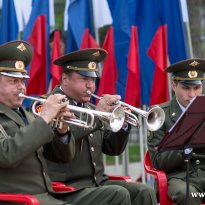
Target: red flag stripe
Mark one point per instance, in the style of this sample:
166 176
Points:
132 94
159 54
37 81
54 69
109 76
88 41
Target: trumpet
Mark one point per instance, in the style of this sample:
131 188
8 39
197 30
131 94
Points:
116 118
154 118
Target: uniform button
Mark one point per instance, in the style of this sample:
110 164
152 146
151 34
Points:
91 135
197 161
92 149
94 163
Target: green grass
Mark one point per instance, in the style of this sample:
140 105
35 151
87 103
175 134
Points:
134 155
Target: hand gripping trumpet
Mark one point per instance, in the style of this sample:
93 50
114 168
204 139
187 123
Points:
116 118
154 118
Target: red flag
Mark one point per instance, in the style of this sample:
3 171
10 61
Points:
54 69
158 53
37 81
132 94
88 41
109 76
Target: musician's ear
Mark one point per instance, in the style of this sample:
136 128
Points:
64 78
174 84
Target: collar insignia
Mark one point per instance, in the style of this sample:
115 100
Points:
173 114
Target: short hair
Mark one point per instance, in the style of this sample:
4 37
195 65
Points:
62 35
67 72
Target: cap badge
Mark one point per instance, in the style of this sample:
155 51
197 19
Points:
192 74
96 53
194 63
92 65
21 47
19 65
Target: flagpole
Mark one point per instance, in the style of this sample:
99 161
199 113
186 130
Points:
169 82
185 18
189 39
97 38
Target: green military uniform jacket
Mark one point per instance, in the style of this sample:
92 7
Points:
87 169
172 162
23 167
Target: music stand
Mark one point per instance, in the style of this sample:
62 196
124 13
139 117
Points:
187 133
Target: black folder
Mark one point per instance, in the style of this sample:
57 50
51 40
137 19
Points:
189 129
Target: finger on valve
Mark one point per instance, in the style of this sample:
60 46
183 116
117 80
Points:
52 107
66 114
108 103
63 116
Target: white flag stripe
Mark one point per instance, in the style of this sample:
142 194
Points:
101 12
27 7
66 15
184 10
51 14
23 11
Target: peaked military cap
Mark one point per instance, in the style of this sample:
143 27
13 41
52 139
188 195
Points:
14 57
82 61
189 71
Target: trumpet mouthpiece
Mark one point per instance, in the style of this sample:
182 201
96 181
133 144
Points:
21 95
89 92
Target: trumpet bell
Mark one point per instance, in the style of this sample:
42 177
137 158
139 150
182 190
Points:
155 118
117 119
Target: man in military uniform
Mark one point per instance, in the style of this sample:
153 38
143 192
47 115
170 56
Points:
22 158
87 169
187 78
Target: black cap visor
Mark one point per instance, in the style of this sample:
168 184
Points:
191 82
88 73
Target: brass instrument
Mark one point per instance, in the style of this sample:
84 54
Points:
115 118
154 118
